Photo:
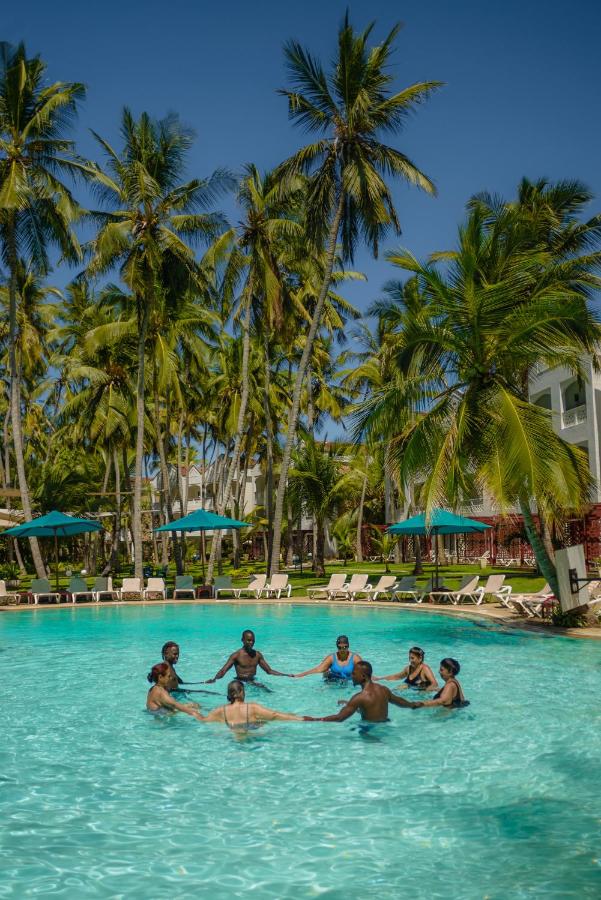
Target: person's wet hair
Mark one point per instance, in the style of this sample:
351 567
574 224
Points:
367 667
156 671
168 646
247 631
235 688
451 665
342 639
417 651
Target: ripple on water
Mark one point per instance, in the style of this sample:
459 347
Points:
101 800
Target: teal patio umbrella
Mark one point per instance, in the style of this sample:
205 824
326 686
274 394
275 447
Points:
53 525
202 520
440 521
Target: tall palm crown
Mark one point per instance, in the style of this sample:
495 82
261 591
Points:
351 106
36 207
155 216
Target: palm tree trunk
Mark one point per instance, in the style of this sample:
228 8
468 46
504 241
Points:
114 557
359 538
165 476
136 525
320 569
15 394
293 415
239 431
545 565
268 446
418 568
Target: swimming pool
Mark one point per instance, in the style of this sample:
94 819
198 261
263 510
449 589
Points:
100 799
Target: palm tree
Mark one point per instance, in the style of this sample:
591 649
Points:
458 411
347 193
155 217
316 484
36 208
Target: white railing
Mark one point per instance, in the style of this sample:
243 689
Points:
575 416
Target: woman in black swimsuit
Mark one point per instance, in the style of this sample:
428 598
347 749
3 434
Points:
417 674
451 695
237 713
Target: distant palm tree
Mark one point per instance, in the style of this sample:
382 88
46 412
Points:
316 485
347 192
154 219
36 208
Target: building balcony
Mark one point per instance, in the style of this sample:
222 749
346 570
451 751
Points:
574 416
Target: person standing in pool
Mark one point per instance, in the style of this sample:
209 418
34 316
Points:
170 654
416 675
451 695
237 713
245 661
371 702
159 698
337 666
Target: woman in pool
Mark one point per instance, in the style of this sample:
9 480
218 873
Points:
415 675
336 666
451 695
159 698
237 713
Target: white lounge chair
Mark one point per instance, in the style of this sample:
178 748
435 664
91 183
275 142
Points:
255 588
131 589
184 586
495 587
385 585
357 584
155 586
41 590
329 590
8 598
468 590
277 586
437 595
531 605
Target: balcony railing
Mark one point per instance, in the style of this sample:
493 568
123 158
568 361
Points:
575 416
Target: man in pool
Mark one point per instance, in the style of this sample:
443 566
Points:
170 654
371 701
245 661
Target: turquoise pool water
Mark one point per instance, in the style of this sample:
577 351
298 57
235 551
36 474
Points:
99 799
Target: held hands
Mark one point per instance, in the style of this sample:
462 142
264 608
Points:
209 681
342 702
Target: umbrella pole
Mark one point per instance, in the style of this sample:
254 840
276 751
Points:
56 560
435 558
202 555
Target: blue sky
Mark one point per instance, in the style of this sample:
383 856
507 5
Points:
521 94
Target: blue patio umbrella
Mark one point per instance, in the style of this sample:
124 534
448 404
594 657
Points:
202 520
53 525
440 521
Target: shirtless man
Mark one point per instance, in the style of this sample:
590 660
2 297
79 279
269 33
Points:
238 714
170 654
245 660
371 701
